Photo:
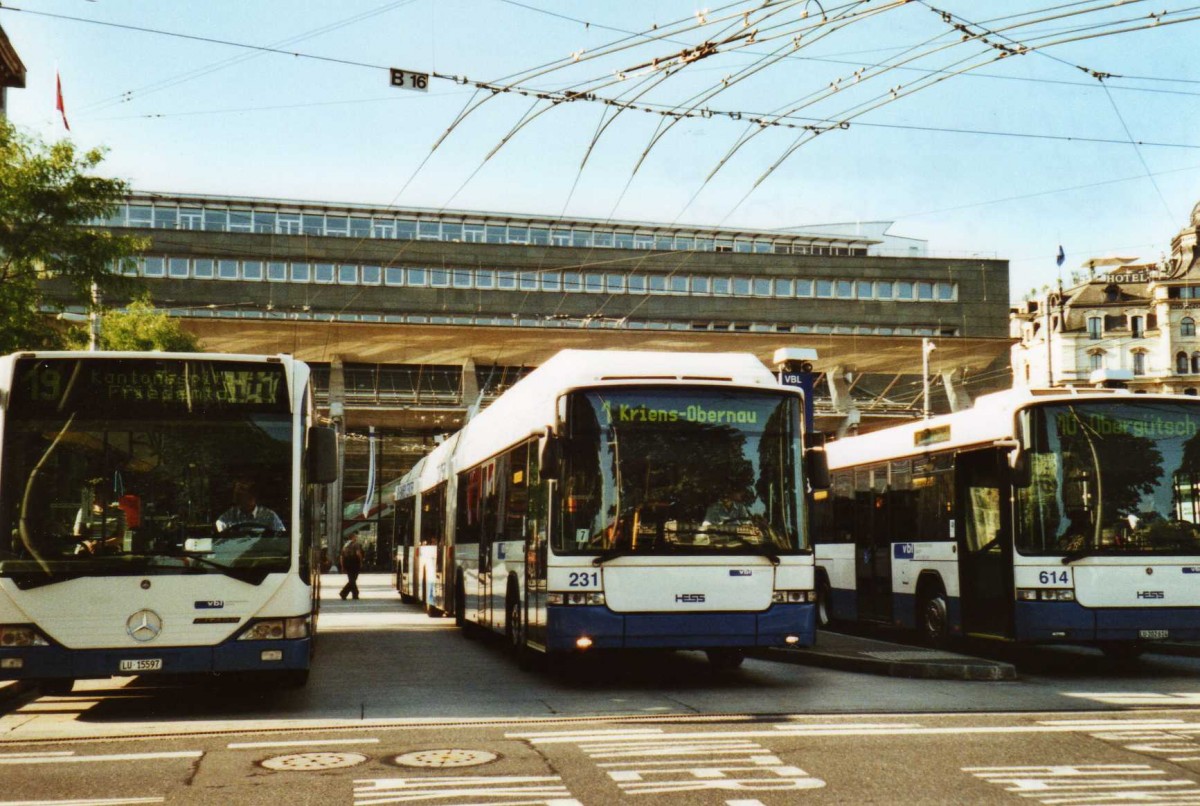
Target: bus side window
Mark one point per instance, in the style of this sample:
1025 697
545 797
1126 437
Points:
902 501
516 502
933 480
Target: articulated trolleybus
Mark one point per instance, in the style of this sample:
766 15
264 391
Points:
620 500
157 514
1048 517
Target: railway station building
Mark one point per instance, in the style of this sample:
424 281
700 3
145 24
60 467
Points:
413 318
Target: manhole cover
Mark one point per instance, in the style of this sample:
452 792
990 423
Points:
309 762
445 758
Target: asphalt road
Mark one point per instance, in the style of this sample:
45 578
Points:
389 681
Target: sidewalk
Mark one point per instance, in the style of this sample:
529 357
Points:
852 653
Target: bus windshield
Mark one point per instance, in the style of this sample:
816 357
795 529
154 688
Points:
118 467
1110 477
696 471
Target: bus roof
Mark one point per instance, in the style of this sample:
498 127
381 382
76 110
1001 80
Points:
991 418
528 407
125 354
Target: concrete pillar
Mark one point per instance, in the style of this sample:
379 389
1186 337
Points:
839 381
337 413
956 393
470 383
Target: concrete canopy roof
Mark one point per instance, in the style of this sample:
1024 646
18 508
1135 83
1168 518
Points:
516 346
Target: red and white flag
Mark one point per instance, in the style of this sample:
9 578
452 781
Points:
58 100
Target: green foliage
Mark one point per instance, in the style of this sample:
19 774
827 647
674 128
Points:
140 327
48 193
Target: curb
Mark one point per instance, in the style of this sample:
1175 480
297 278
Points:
940 669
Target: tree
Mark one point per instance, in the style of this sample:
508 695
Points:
48 195
140 327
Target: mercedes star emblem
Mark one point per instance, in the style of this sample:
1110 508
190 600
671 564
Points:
144 625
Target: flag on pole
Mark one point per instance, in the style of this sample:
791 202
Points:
1062 256
58 101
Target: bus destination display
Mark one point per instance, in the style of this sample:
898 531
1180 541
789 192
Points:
121 387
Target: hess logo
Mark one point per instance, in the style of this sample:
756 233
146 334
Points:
1151 595
690 598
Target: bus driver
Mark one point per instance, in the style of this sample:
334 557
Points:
246 510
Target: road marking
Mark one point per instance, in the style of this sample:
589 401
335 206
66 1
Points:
297 743
1146 698
53 759
1091 783
512 789
38 755
658 763
85 802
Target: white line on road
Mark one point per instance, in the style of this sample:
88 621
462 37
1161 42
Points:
298 743
38 755
84 802
48 759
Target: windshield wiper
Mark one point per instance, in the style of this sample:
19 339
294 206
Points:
29 580
252 576
1079 554
611 554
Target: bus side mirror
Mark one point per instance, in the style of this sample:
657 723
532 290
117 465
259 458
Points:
322 455
816 462
550 456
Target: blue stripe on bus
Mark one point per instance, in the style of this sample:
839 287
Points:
232 656
1071 621
609 630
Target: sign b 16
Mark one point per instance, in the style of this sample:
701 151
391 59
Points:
408 80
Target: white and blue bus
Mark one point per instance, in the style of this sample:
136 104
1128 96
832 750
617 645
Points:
620 500
1052 516
158 513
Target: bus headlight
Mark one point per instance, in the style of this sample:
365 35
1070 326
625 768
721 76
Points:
273 629
14 635
1045 595
575 598
793 597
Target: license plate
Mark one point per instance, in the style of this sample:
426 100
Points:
143 665
1152 635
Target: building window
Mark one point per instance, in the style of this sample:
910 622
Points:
371 275
1096 360
1181 363
1187 326
1095 327
1190 391
323 273
1136 328
1139 363
1196 363
252 270
277 272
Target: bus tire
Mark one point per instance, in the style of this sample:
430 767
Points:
724 660
933 616
824 603
1123 650
289 678
56 686
514 630
460 607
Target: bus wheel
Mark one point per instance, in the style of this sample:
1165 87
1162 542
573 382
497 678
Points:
1123 650
290 678
57 687
824 613
725 659
460 609
514 631
933 619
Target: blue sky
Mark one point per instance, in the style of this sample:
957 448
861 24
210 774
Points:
208 118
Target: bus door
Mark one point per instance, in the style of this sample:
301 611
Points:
489 501
985 549
872 544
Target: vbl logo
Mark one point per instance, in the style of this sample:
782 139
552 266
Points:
1151 595
690 598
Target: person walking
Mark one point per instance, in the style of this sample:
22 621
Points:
352 560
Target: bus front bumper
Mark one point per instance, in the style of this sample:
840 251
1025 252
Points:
1071 622
566 624
47 662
